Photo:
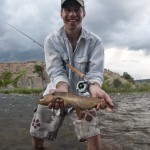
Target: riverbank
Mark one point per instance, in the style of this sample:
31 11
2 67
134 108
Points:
31 77
138 89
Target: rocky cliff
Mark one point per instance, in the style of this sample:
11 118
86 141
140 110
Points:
32 74
25 74
112 75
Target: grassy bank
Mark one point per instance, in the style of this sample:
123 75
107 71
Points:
21 91
134 90
113 83
126 88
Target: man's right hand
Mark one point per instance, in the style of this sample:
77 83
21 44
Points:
60 87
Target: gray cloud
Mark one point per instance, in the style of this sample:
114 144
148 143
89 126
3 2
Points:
119 23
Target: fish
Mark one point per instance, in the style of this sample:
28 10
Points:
76 101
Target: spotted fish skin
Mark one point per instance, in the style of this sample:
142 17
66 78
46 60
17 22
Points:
70 99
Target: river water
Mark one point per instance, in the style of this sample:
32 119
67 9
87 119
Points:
128 128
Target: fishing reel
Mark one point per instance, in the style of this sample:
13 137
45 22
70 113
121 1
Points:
82 86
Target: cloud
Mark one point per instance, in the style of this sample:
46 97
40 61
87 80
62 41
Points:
36 19
122 60
121 25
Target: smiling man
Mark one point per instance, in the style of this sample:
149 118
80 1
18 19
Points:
83 49
72 14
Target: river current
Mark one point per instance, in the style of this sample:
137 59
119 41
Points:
128 128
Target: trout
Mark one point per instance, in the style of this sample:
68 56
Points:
70 99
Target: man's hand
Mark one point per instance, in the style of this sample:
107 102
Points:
96 91
60 87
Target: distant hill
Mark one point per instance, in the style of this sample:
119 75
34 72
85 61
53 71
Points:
32 74
143 81
112 75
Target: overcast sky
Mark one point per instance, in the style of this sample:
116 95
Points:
124 27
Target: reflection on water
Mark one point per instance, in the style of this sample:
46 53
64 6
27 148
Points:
128 128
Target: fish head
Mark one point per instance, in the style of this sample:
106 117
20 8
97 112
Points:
46 99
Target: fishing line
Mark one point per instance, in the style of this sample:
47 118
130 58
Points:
34 41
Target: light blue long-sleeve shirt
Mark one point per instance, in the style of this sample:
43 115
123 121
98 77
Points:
88 57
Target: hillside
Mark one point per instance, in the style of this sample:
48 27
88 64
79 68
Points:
112 75
23 75
32 75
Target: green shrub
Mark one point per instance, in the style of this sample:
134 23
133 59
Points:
105 78
117 83
5 78
18 76
106 86
128 77
39 69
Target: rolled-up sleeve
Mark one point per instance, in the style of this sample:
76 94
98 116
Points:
96 63
54 64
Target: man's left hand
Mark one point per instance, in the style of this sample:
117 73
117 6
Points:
96 91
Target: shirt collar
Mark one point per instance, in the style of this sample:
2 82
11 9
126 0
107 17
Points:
63 33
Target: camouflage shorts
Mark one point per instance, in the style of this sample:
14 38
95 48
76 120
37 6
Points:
46 123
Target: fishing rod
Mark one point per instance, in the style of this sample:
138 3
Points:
23 34
81 85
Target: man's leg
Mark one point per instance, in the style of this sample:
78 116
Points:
94 143
45 125
37 143
86 128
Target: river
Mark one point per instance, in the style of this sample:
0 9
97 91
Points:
128 128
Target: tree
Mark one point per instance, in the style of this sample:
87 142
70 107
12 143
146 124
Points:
128 77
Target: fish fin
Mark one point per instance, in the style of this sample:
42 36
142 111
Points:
79 113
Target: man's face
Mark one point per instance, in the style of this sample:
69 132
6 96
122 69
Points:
72 16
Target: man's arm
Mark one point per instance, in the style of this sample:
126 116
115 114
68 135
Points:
54 65
95 74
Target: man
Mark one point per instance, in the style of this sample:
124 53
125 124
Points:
84 50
